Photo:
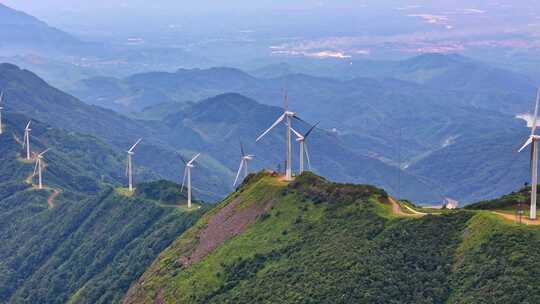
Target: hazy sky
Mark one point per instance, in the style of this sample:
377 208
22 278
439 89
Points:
76 5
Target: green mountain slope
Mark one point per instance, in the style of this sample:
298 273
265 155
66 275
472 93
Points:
76 162
312 241
79 239
85 249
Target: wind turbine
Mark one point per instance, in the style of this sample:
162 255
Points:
187 173
129 167
26 139
39 168
533 138
1 108
287 116
243 163
301 139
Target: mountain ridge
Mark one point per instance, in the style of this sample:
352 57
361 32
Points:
318 239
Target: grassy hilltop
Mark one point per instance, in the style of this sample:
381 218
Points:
313 241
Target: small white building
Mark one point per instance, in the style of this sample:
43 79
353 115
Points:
449 203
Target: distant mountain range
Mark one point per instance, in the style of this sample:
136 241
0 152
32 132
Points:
214 127
20 31
403 114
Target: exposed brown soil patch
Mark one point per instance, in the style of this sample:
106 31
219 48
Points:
524 219
160 298
396 209
52 197
228 222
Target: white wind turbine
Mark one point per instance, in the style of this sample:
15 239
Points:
1 108
187 173
26 139
533 138
243 164
288 116
39 168
301 139
129 167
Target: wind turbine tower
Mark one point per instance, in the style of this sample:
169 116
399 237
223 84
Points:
287 116
243 163
26 139
187 174
39 168
301 139
533 139
129 167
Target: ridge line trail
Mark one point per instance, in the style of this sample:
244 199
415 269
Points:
52 197
512 217
396 209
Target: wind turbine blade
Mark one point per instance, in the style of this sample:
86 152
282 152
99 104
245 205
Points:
300 119
297 133
194 158
307 155
280 119
184 179
242 149
533 130
528 142
183 160
47 150
133 147
36 167
311 130
28 125
238 173
1 96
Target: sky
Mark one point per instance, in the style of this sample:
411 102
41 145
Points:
49 6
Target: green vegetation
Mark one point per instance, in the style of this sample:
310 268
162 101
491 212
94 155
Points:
162 191
323 242
85 250
496 263
506 202
88 244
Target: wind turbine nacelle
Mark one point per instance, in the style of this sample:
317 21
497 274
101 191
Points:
289 113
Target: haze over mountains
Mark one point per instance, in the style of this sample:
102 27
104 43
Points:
417 106
409 112
388 114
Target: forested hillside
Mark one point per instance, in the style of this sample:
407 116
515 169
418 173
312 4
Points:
313 241
82 238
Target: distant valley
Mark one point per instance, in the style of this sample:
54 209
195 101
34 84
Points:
408 114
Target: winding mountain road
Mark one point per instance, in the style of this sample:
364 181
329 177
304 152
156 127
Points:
52 197
396 208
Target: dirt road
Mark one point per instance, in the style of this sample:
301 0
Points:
396 208
52 197
512 217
